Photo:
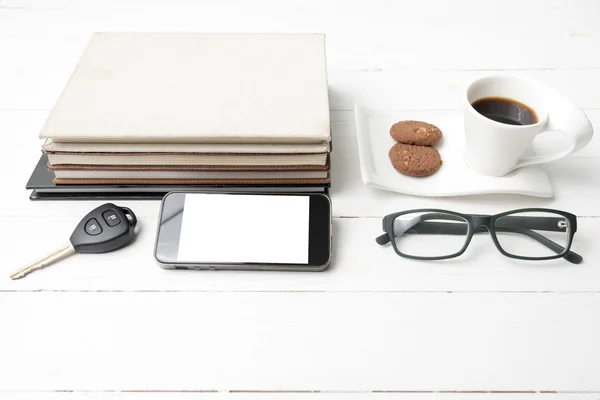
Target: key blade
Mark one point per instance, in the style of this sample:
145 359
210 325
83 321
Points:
58 255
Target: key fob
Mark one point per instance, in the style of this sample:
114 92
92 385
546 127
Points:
106 228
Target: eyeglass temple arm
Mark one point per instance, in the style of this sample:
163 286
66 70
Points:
552 224
507 224
406 225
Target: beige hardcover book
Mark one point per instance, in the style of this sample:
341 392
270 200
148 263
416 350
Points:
180 148
195 88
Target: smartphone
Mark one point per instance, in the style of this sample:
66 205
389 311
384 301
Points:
244 231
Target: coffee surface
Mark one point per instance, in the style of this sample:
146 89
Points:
506 111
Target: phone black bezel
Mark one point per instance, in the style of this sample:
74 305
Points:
319 251
319 230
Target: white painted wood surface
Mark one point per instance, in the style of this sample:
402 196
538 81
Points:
374 325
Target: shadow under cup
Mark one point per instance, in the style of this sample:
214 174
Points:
494 148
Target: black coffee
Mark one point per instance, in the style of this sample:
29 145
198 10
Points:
504 110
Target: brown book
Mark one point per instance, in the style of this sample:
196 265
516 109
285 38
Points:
188 159
319 181
137 173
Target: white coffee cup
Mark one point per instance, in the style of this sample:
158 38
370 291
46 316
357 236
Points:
495 148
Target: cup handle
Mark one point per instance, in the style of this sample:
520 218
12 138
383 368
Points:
568 119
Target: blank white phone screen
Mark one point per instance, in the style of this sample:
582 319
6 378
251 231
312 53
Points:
223 228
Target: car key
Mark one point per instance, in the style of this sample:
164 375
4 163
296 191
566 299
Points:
106 228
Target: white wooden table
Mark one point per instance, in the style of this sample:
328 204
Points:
479 326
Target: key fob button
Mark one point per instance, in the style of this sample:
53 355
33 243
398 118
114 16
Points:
111 217
92 227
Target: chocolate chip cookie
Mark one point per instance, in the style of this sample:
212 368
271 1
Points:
415 160
416 132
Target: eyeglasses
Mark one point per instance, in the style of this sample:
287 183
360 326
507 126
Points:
525 234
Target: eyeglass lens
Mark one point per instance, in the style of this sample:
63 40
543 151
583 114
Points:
418 234
533 234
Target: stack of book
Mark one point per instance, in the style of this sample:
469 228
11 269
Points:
193 109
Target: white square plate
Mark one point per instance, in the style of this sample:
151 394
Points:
454 178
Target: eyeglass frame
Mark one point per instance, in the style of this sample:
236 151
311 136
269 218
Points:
476 221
